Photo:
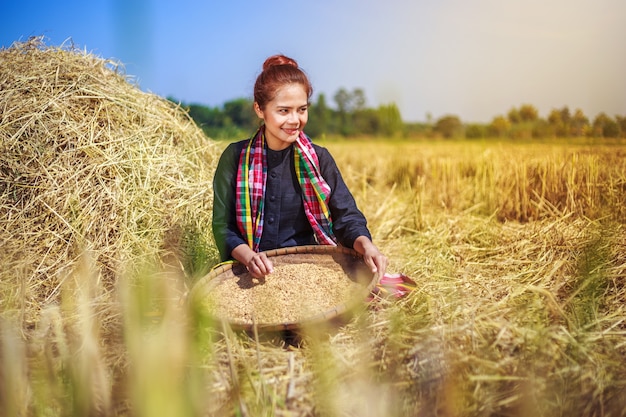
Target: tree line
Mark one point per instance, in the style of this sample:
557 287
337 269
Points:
350 116
524 122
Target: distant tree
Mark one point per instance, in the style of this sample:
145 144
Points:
560 122
319 117
528 113
475 131
206 116
449 126
366 122
499 126
554 118
579 124
540 128
556 125
343 101
566 116
241 114
390 120
604 126
359 101
621 122
514 116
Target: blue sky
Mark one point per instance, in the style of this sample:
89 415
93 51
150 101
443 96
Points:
472 58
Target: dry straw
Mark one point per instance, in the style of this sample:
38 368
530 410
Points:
89 161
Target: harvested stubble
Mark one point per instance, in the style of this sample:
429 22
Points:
291 293
89 161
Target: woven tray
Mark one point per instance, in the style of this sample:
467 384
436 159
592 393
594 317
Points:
344 263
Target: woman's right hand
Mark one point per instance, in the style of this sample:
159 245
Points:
258 264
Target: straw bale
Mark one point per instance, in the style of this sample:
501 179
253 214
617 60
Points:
89 161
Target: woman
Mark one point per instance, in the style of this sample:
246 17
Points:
278 189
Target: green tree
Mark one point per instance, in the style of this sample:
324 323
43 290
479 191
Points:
239 112
554 118
566 116
514 116
358 99
557 126
540 128
366 122
449 126
621 122
475 131
343 99
579 125
528 113
320 116
390 119
604 126
205 116
499 126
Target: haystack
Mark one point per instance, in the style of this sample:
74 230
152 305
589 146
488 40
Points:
92 163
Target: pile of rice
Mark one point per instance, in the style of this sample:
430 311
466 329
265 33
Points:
91 162
290 294
308 284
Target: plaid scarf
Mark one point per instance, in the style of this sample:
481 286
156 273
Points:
250 189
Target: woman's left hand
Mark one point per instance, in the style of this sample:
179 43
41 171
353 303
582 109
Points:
373 258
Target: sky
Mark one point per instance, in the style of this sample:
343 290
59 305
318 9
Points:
475 59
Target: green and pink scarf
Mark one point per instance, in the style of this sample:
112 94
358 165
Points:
251 182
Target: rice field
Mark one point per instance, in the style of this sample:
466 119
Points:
518 251
519 308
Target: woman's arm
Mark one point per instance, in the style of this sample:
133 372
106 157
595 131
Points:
350 225
348 221
224 225
228 239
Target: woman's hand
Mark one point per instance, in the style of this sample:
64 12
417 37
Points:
371 255
258 264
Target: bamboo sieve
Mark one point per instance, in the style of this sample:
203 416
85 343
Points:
310 284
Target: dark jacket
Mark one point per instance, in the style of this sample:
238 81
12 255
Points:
285 222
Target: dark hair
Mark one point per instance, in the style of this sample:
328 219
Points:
279 70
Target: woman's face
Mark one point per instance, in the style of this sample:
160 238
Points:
285 116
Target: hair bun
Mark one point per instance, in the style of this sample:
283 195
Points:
279 70
276 60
